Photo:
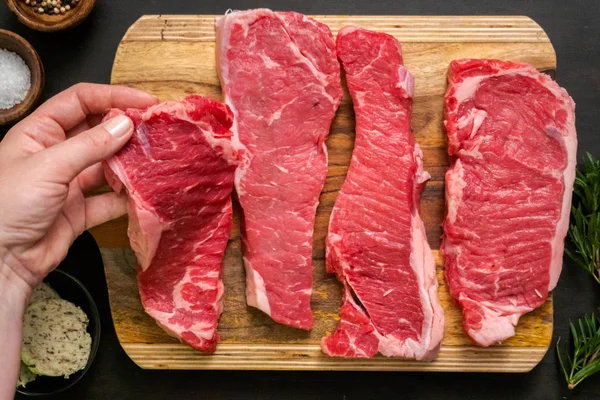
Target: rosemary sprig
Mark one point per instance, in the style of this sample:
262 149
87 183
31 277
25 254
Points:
584 231
585 336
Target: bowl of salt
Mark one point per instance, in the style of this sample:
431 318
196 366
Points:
22 77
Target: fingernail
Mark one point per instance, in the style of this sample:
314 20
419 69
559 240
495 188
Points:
118 126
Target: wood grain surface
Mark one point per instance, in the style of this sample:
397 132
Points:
173 56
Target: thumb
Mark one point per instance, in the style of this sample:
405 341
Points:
69 158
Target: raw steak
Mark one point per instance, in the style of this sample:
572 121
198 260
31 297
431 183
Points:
178 170
376 243
512 143
281 78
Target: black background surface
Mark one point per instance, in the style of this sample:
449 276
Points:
86 54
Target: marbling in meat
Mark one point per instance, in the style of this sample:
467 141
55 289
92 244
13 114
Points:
512 144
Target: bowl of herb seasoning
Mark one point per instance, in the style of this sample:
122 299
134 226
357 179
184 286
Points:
61 335
22 77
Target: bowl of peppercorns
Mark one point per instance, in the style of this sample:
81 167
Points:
51 15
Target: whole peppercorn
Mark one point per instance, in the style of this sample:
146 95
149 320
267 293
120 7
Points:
52 7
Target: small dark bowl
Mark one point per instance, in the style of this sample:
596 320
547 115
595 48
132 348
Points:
15 43
53 22
72 290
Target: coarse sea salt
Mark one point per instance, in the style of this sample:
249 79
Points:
15 79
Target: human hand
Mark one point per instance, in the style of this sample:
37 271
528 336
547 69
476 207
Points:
48 163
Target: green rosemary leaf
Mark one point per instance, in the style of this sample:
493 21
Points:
584 360
584 231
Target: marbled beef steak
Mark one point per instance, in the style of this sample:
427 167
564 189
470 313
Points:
512 144
178 170
376 242
281 78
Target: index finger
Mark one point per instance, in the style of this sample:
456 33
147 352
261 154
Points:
72 106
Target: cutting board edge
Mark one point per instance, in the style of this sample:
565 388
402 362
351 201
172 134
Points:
426 29
240 357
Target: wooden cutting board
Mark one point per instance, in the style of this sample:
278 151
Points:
173 56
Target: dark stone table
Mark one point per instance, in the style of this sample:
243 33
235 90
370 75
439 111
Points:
86 54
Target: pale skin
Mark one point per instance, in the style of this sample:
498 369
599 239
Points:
49 163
